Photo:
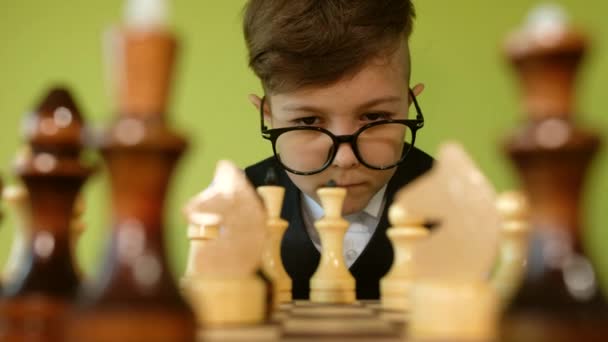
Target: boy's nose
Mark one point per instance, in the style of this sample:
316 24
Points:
345 157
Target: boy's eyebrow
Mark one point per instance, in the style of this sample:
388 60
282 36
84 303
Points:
375 102
368 104
303 108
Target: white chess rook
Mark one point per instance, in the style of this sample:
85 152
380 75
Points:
405 232
272 264
332 281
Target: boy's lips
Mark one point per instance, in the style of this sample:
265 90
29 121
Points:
349 184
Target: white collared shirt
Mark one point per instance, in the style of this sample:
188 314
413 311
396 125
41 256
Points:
362 224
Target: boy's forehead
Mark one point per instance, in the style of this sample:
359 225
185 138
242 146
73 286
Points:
397 57
387 73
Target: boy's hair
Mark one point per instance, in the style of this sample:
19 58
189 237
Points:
298 43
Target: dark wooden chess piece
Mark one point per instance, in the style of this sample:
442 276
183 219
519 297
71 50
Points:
37 297
560 298
134 297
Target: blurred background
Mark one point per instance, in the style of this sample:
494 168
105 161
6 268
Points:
471 94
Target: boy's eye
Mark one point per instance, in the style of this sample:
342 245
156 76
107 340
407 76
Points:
306 121
375 116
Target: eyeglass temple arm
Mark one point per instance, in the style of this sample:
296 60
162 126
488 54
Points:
263 127
419 115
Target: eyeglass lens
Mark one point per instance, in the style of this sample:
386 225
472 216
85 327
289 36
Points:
378 146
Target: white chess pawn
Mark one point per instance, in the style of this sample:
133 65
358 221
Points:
332 281
406 230
514 210
199 237
272 264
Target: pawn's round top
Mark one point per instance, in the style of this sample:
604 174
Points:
271 177
399 216
332 200
513 205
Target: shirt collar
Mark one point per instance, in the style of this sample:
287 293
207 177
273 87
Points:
373 208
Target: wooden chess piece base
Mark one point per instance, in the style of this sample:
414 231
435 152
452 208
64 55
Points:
454 311
221 301
281 296
341 296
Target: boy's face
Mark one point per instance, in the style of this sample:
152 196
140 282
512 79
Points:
378 91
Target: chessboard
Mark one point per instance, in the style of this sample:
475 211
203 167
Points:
302 320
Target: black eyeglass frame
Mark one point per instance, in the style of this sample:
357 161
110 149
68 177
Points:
273 134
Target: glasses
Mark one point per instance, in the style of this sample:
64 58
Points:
378 145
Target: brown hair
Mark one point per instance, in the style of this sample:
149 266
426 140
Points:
297 43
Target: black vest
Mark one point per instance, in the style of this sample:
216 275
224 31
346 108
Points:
301 258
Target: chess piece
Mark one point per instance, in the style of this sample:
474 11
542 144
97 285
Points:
451 299
507 276
16 199
134 297
560 298
37 296
453 311
332 281
224 288
461 247
199 235
272 264
405 232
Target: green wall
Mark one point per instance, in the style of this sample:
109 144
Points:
471 93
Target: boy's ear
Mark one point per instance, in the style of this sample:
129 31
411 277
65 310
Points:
418 88
255 100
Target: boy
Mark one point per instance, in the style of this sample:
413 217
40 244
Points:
335 74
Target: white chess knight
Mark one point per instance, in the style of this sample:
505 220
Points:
224 289
451 296
457 195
